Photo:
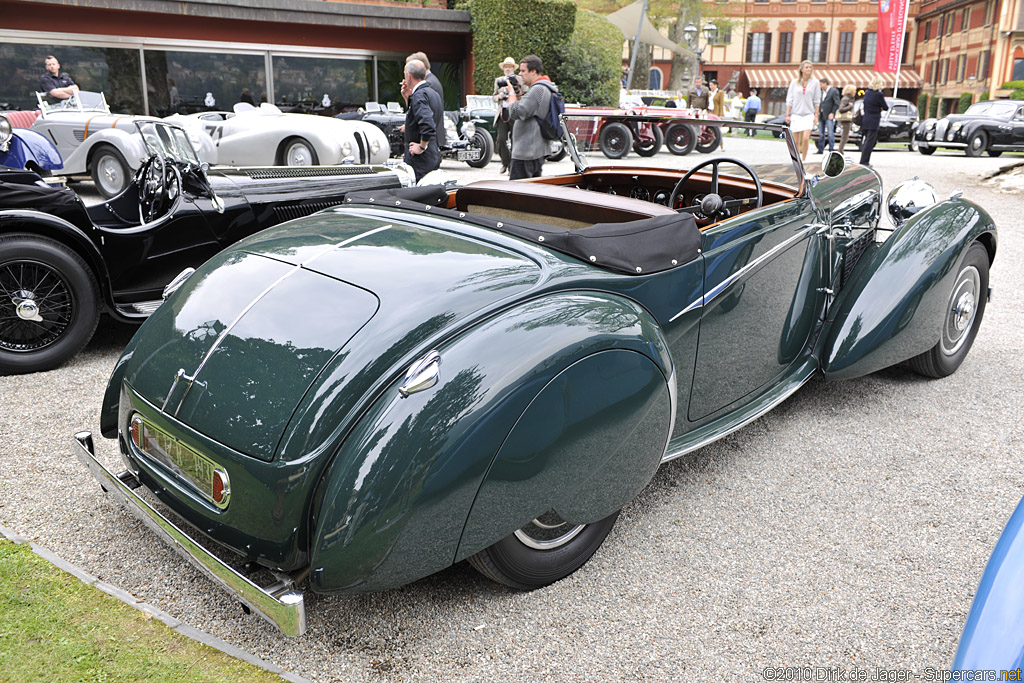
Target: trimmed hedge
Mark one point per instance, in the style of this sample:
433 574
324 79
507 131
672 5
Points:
966 100
587 69
516 28
933 108
1018 89
984 97
922 103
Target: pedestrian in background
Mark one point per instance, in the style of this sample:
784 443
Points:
436 86
826 123
751 109
698 97
845 115
874 103
503 119
717 97
529 148
423 118
802 101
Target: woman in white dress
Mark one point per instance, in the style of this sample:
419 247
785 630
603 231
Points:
802 103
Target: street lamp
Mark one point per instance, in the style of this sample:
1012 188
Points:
710 32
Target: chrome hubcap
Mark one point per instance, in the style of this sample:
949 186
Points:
26 307
963 306
547 532
298 155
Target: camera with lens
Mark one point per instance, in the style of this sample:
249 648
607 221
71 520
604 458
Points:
506 80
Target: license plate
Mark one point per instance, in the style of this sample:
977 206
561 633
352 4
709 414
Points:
468 154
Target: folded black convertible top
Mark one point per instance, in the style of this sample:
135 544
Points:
640 247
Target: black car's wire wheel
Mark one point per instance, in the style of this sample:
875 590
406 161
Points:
546 550
49 303
963 313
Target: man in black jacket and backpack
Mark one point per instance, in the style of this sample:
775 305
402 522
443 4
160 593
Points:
827 115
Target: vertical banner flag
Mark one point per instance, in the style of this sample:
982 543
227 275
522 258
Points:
892 20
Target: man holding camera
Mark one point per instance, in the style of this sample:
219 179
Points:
529 148
503 118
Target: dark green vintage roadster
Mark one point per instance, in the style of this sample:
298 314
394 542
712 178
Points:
362 397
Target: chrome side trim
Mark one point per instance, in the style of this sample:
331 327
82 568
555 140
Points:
283 606
743 422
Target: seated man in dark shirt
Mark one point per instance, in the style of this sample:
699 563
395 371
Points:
54 83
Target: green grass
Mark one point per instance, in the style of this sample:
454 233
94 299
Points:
55 628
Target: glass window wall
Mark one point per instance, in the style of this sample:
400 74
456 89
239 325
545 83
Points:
110 70
322 85
180 82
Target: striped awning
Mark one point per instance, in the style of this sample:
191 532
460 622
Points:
774 77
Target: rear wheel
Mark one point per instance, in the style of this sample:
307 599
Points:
544 551
976 144
963 313
299 152
650 147
49 303
993 153
109 171
615 140
680 139
482 140
708 140
925 150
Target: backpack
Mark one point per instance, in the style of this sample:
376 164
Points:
550 127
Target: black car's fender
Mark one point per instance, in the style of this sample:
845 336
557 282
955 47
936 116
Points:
63 231
393 505
893 307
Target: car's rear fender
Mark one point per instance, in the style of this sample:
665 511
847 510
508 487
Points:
893 307
392 505
29 146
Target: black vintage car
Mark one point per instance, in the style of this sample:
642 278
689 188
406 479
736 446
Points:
468 139
995 126
62 263
896 125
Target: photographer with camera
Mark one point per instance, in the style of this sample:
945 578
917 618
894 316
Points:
503 119
529 148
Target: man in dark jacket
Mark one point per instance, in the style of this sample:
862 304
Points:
874 103
423 118
698 96
827 115
436 86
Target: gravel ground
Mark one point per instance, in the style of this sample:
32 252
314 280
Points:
847 528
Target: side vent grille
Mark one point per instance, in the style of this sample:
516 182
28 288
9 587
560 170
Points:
854 251
284 212
306 171
79 134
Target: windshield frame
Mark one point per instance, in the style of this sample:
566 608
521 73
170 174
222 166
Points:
582 162
167 140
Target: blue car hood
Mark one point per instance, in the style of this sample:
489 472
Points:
253 328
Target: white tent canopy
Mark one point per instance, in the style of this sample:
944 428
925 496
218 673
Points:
627 20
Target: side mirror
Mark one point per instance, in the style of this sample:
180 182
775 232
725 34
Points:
834 164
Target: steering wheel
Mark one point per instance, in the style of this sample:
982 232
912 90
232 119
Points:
712 204
153 191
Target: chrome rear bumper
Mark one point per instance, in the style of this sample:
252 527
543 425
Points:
281 605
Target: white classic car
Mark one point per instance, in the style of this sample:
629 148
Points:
93 141
266 136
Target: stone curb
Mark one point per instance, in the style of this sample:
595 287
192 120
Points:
129 599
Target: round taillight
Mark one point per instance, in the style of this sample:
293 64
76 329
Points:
137 431
221 488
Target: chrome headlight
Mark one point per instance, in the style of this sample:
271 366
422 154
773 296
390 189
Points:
468 128
346 149
909 197
375 146
956 126
6 133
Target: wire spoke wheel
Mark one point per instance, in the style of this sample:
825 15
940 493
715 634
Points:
36 306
